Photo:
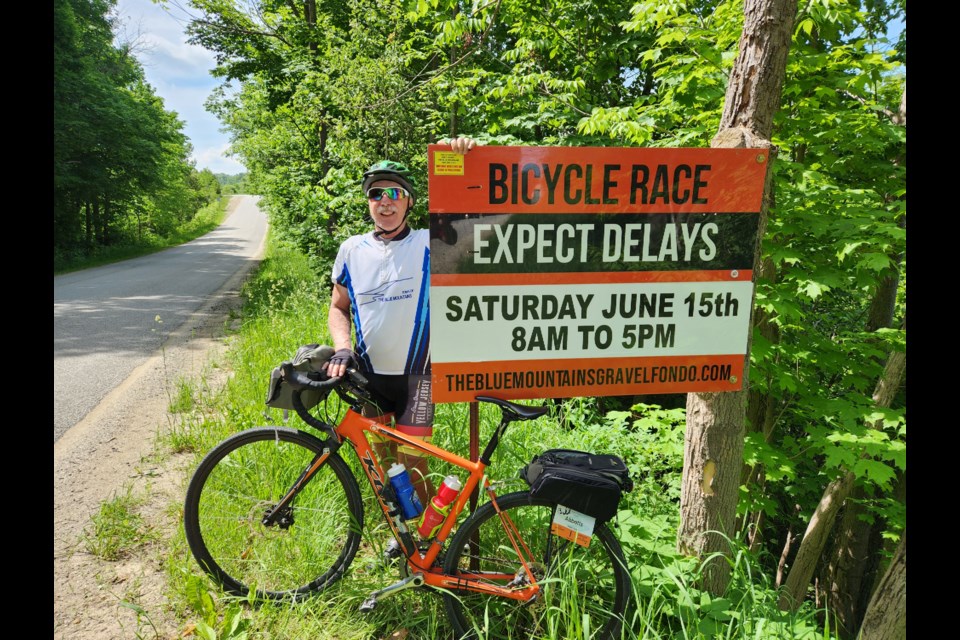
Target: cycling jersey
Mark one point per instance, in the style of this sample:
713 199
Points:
388 283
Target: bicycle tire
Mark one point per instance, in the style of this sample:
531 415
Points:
586 591
228 496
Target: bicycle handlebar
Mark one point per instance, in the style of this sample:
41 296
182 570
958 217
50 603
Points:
300 381
353 387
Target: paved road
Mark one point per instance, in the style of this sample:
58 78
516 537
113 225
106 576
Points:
105 319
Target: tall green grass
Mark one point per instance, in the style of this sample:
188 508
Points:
285 307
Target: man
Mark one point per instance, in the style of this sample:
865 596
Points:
381 291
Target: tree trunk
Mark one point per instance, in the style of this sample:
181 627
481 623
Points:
323 133
821 523
713 448
814 540
844 573
886 617
712 458
98 232
900 493
892 376
883 304
785 552
849 566
89 223
106 219
753 91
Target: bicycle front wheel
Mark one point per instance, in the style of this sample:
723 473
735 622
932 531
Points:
307 549
585 591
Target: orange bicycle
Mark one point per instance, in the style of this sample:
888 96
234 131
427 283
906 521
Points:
277 513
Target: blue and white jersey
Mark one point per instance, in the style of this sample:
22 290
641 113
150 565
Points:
389 288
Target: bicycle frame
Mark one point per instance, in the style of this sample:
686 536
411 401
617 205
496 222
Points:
354 427
247 531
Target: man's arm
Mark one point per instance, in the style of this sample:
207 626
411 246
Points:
339 323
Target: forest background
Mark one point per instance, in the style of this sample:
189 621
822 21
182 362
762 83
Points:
321 90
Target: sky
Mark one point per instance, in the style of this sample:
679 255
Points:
179 74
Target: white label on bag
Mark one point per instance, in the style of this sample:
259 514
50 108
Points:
573 525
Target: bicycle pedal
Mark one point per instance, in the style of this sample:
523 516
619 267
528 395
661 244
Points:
368 605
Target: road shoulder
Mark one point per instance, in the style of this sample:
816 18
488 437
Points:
114 449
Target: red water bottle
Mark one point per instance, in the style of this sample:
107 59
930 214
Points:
438 507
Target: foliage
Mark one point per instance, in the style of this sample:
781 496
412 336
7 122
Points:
121 169
671 605
233 184
206 219
651 441
835 237
231 625
182 400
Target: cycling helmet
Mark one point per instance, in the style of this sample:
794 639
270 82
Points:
390 170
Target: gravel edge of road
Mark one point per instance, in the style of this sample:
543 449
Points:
115 449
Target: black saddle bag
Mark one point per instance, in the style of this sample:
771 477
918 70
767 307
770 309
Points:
586 482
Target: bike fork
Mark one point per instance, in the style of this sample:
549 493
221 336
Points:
413 580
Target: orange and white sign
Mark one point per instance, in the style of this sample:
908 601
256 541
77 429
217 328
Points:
559 271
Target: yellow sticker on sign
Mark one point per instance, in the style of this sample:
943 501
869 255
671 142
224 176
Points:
447 163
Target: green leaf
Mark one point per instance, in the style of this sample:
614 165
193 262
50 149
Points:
848 249
874 471
205 631
134 606
875 262
812 289
839 456
897 454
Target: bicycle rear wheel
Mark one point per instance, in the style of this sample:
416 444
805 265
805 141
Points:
585 590
238 481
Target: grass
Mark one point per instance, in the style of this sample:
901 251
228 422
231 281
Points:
285 307
117 528
182 400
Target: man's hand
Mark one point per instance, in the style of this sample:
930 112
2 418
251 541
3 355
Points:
462 145
340 362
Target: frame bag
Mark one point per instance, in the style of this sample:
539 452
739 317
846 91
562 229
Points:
586 482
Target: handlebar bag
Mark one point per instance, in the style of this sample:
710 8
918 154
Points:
308 359
586 482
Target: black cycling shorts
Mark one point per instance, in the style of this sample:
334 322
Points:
407 399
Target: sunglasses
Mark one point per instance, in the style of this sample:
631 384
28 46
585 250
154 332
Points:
394 193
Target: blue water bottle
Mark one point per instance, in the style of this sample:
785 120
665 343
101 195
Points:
410 506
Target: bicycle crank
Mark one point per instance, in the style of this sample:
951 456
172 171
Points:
414 580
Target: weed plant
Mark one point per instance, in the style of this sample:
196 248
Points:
118 528
285 307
